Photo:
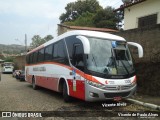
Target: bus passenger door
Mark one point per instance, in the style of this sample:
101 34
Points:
77 72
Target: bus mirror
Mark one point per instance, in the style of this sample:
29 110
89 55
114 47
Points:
140 49
85 42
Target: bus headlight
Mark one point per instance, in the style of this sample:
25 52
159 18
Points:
94 84
134 82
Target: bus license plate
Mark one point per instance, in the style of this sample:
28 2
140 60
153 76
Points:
117 98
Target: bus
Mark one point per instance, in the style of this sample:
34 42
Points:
88 65
7 67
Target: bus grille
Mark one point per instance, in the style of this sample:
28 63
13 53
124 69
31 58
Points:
123 87
112 95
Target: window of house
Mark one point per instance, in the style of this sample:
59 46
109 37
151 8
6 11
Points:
147 21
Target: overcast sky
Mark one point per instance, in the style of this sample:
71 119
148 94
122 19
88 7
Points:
33 17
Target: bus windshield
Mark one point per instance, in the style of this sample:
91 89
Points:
109 57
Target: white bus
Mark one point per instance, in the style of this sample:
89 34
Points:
7 67
89 65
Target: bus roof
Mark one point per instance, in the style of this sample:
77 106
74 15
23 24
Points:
95 34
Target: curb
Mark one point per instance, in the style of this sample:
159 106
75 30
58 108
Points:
149 105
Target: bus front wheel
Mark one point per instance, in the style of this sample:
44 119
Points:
66 97
34 84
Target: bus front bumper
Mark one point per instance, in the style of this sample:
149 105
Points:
96 94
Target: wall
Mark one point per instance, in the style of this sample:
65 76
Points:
131 14
62 30
19 62
149 38
148 68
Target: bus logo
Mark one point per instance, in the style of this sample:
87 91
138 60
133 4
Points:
118 87
106 82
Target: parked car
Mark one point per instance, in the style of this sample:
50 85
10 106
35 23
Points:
22 76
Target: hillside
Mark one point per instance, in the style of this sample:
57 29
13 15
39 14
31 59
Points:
12 49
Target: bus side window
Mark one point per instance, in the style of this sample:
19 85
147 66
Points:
59 53
48 53
30 58
41 55
78 61
34 59
27 59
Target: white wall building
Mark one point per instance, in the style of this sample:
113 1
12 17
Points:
141 13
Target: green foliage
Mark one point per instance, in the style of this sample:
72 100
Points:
37 40
84 20
48 37
8 59
76 9
90 14
106 18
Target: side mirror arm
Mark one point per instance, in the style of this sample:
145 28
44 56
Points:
140 49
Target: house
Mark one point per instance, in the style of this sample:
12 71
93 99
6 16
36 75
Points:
65 28
140 13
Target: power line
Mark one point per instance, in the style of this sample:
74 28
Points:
116 3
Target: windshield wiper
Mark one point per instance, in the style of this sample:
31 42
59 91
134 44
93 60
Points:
94 61
121 62
114 59
124 65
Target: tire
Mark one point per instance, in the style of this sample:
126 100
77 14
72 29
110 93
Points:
21 79
34 86
66 97
17 77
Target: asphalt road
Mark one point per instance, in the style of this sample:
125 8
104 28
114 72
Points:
19 96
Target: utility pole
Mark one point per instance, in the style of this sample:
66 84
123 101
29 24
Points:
25 43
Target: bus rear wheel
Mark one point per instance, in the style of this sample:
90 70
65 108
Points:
34 86
66 97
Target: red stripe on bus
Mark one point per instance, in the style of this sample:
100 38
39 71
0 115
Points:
51 83
47 82
86 76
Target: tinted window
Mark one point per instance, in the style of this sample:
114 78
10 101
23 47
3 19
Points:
30 58
73 42
55 51
78 56
41 55
59 52
48 52
35 54
27 59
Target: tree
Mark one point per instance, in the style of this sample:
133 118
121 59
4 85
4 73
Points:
8 59
37 40
90 14
76 9
107 18
86 19
48 37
